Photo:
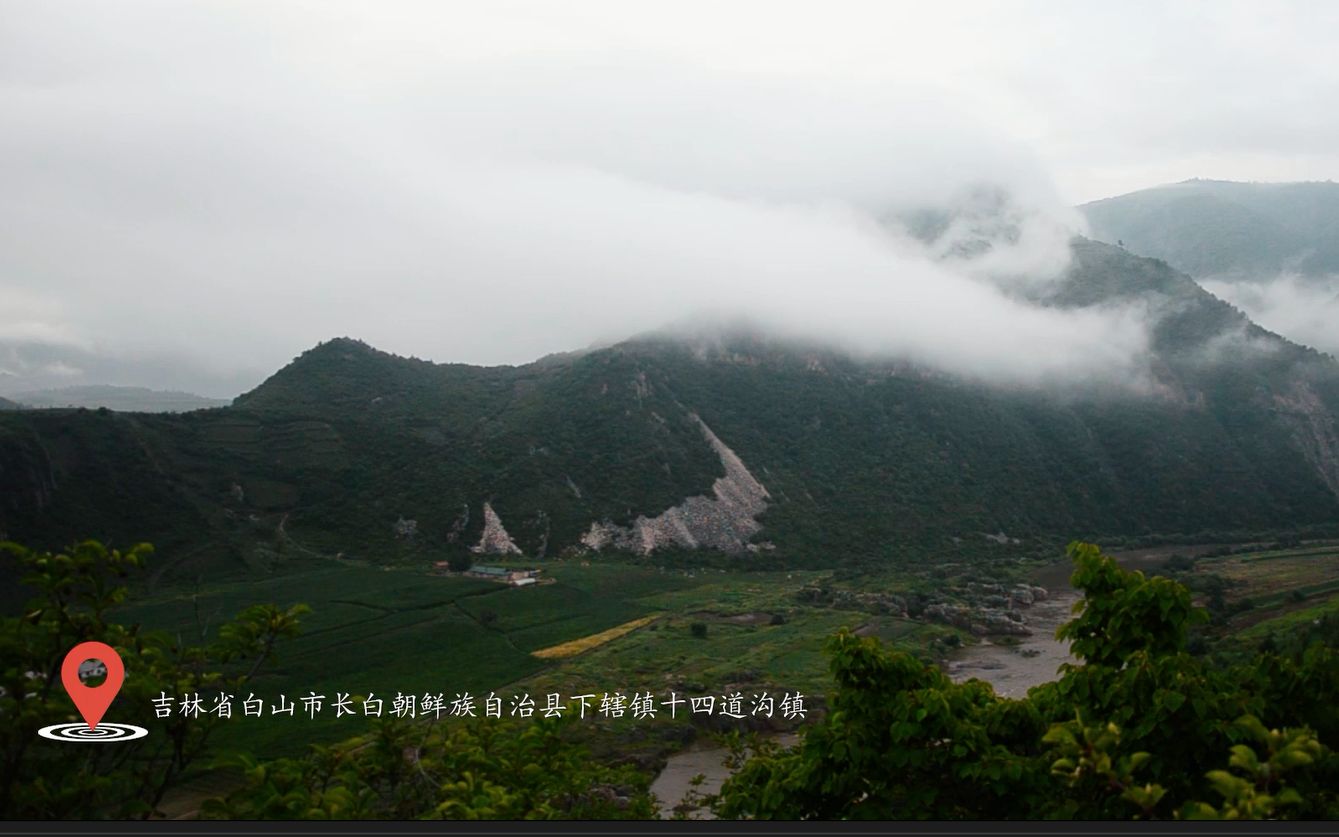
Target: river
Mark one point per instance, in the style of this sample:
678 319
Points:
1013 669
675 781
1010 669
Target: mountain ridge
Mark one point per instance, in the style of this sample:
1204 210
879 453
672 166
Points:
122 398
1226 229
350 450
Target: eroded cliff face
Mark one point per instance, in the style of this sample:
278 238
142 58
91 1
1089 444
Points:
494 540
1313 429
725 521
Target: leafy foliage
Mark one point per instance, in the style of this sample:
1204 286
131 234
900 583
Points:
1141 728
1123 613
1137 730
479 770
74 590
476 769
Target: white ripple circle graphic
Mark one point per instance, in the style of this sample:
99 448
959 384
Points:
103 733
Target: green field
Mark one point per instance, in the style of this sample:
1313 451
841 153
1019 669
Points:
397 629
385 630
1270 586
390 630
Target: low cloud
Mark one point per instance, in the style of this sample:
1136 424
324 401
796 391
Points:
233 190
1302 309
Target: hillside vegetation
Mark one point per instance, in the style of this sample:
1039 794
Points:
1225 229
1138 726
351 452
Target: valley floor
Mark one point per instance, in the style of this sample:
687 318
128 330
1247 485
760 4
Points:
632 626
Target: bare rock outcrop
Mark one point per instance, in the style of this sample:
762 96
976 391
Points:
980 621
1313 430
494 540
724 521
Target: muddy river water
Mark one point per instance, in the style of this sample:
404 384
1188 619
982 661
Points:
1013 669
675 783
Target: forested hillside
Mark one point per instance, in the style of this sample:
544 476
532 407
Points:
1225 229
349 450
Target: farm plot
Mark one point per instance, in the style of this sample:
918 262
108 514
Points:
1267 578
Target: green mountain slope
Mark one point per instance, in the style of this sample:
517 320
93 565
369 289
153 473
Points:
1224 229
719 440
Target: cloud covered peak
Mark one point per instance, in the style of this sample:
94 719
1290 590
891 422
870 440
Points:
238 187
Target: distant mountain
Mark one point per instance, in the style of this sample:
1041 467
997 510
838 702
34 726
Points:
6 404
1221 229
729 440
124 399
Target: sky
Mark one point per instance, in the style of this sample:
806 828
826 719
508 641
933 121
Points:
196 192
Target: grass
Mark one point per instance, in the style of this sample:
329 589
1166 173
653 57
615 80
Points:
1265 575
388 630
1278 583
602 626
1288 621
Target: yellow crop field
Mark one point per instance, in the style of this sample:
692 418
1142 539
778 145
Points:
577 646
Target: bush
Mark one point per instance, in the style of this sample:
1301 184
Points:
698 630
1180 564
73 591
1139 728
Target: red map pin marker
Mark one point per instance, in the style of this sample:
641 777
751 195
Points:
92 701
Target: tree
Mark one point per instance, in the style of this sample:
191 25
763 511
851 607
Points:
1140 728
472 769
73 592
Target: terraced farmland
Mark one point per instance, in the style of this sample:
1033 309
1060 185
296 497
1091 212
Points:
1269 576
1270 584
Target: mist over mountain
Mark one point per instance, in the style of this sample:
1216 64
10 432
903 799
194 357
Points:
127 399
1226 230
43 363
823 373
932 348
419 197
576 202
1271 249
741 440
